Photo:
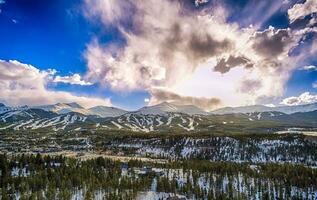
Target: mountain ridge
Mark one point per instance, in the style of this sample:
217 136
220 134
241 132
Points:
262 108
30 119
160 109
165 107
105 111
63 108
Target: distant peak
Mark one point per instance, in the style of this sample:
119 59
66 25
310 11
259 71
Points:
72 104
2 105
101 107
164 103
167 107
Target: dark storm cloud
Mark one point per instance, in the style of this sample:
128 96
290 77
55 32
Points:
224 65
271 43
175 36
250 86
204 45
172 42
194 44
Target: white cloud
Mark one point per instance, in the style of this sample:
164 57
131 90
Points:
304 98
309 68
301 10
108 11
75 79
199 2
168 48
209 84
315 84
176 50
1 2
22 84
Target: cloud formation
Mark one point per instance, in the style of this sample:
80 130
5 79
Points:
168 44
225 64
304 98
200 2
1 2
271 43
309 68
299 11
22 84
74 79
109 11
268 56
167 47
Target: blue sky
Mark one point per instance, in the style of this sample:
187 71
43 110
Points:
54 34
57 34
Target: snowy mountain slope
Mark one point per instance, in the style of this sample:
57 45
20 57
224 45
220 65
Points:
63 108
150 122
272 115
37 118
104 111
168 122
261 108
299 118
179 122
4 108
164 108
242 109
163 117
26 114
296 109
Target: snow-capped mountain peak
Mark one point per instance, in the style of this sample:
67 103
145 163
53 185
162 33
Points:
62 108
165 107
242 109
72 105
158 109
4 108
104 111
262 108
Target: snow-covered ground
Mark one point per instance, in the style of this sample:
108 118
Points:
56 123
227 149
150 122
236 184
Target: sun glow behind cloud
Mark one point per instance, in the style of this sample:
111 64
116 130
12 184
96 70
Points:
206 83
192 54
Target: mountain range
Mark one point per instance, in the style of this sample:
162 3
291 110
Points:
63 108
262 108
161 117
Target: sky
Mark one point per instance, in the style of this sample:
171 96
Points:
134 53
